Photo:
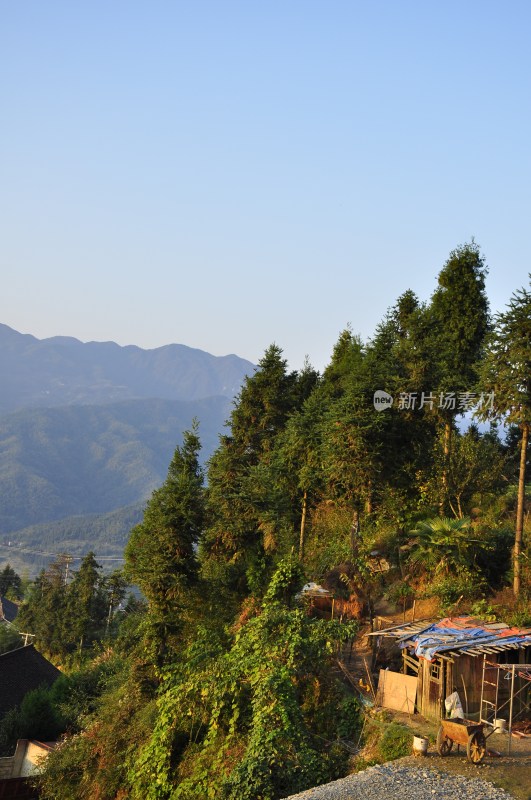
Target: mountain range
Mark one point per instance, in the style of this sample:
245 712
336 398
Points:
87 431
64 371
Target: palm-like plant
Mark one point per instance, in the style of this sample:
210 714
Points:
442 543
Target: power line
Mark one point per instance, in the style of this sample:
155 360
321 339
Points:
56 555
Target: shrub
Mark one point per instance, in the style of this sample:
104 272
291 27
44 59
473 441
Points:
483 610
462 585
37 718
494 561
395 742
349 718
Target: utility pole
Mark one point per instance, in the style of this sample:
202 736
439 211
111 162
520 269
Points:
67 561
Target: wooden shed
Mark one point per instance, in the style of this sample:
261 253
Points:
448 656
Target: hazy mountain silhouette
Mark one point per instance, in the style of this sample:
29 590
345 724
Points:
64 371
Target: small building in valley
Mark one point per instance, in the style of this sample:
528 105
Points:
28 759
16 771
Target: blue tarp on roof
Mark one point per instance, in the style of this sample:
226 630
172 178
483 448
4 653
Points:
462 633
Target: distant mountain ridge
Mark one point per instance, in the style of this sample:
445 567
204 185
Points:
87 431
64 371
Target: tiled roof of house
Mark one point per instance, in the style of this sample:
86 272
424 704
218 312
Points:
21 671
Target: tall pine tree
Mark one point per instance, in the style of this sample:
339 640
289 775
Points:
459 321
239 507
161 552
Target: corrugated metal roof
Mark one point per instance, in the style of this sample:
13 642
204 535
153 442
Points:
457 636
404 628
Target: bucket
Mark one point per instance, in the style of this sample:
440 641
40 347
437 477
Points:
420 746
500 725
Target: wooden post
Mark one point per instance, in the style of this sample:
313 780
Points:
520 511
303 525
511 708
354 534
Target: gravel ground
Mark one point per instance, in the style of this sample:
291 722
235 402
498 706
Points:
392 780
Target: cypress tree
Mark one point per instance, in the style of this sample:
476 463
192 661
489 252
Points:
160 556
459 321
242 497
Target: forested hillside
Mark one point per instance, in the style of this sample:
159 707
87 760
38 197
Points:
59 462
31 549
220 683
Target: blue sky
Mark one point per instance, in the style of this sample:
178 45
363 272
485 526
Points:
229 174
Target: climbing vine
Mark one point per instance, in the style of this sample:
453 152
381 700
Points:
254 716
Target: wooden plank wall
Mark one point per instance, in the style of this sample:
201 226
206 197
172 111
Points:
439 678
430 689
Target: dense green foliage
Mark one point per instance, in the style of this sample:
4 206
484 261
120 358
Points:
224 721
222 682
245 503
10 583
459 317
252 725
160 555
67 616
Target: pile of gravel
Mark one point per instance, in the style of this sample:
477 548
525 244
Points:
393 781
